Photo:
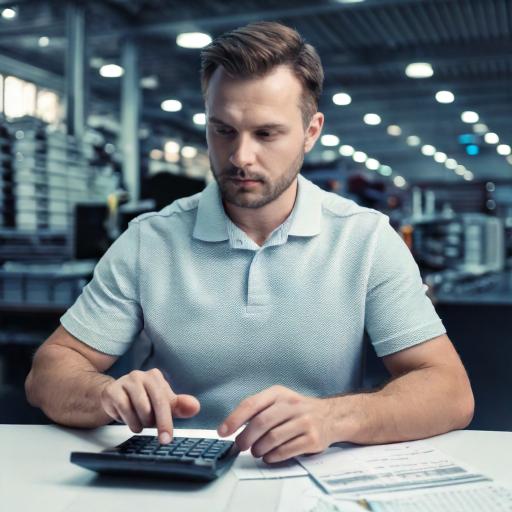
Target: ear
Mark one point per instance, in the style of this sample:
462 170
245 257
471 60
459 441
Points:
313 131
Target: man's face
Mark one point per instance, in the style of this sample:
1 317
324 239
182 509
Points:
256 138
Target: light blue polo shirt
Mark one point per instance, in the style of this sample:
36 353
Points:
227 318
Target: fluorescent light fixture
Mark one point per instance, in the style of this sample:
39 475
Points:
385 170
199 118
428 150
399 181
445 97
346 150
156 154
372 163
469 116
372 119
342 98
188 151
43 41
111 71
419 70
491 138
329 140
8 13
394 130
171 105
413 140
360 157
504 149
480 128
451 163
193 40
440 157
171 146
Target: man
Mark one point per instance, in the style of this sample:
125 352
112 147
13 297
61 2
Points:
256 292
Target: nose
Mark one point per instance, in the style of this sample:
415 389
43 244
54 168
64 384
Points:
243 153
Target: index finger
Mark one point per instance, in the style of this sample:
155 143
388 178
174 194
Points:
246 410
161 401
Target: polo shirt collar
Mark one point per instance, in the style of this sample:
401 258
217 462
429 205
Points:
307 212
212 222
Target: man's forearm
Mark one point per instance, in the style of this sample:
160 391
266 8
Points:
419 404
71 396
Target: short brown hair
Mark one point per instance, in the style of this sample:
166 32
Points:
257 48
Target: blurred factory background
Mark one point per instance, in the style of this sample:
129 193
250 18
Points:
102 119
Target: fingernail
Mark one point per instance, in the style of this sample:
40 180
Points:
165 438
223 430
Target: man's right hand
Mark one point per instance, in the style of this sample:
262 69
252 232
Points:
145 399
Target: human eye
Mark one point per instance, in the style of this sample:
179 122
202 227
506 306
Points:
267 134
224 130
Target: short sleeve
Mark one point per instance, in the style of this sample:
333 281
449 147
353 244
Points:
107 315
398 313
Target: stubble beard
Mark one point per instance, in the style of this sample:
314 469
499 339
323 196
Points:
269 191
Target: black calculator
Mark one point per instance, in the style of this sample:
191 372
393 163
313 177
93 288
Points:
185 458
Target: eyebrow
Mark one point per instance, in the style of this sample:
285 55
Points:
266 126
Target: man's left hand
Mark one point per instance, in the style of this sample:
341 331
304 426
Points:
281 424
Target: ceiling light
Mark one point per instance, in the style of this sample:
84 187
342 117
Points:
413 140
440 157
468 175
329 140
329 155
156 154
149 82
385 170
509 159
171 105
172 157
399 181
480 128
491 138
460 170
445 97
346 150
503 149
451 163
372 163
43 41
188 151
428 150
372 119
199 118
111 71
342 98
171 146
359 157
350 1
469 117
193 40
9 13
419 70
394 130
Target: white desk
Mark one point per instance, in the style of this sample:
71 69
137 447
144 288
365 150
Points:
35 473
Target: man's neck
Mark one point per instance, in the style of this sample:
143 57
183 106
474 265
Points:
258 223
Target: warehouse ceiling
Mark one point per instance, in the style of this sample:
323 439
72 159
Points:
365 47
